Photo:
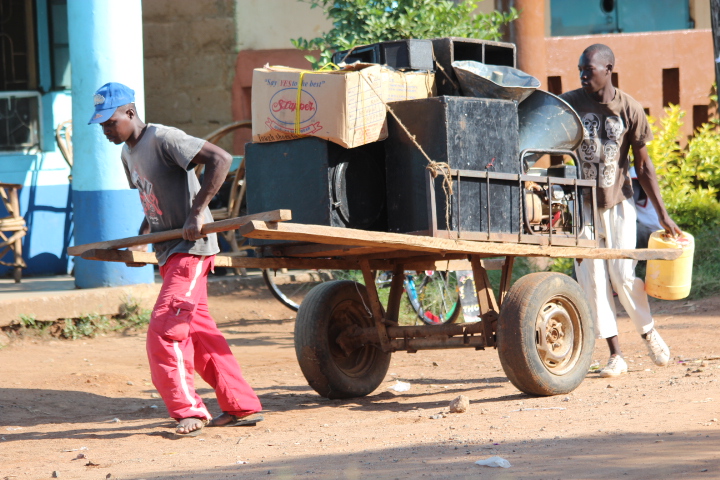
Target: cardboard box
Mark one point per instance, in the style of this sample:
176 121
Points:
345 106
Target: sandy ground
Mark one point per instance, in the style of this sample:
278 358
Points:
85 409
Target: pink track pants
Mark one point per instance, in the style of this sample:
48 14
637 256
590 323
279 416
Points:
183 337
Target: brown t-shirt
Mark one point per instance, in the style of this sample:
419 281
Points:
609 131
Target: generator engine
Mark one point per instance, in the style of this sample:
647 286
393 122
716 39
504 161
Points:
550 206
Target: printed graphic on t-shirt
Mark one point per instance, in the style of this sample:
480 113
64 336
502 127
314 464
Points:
148 199
600 147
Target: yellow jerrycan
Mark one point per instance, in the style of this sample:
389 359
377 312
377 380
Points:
670 279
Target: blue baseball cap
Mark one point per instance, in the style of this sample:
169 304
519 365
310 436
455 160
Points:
108 98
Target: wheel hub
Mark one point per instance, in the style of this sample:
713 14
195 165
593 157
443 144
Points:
555 336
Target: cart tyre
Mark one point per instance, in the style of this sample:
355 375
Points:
325 312
549 306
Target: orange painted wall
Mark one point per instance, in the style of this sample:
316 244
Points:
639 62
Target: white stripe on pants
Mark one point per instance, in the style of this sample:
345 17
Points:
598 278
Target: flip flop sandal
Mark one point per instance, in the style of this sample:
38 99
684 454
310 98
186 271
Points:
247 421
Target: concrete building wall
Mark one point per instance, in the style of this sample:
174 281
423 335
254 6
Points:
189 62
270 24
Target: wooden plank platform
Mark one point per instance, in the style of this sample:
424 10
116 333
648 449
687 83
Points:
212 227
351 263
398 241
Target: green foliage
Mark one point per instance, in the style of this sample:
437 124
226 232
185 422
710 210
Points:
85 326
132 315
563 265
28 321
689 178
521 267
706 264
361 22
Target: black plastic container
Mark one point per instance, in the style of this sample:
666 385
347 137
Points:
398 54
364 54
449 49
475 135
321 182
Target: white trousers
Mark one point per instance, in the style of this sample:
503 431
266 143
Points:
598 278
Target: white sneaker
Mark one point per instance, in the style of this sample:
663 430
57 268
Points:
615 367
659 351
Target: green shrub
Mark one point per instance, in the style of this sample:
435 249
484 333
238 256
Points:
689 177
28 321
132 315
689 181
85 326
361 22
563 265
706 264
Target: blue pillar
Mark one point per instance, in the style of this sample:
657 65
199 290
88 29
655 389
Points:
105 46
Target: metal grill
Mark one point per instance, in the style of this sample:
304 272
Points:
19 121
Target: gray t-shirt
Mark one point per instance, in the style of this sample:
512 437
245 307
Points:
159 167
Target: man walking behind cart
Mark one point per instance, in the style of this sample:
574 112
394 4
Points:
182 336
613 122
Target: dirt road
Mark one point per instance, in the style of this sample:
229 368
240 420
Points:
85 409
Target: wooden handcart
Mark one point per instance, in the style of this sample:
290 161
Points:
344 336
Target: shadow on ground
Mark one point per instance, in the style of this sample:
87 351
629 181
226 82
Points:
631 456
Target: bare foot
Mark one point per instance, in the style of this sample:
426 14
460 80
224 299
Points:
187 425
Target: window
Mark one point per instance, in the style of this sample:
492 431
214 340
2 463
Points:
18 66
59 44
19 121
671 86
555 85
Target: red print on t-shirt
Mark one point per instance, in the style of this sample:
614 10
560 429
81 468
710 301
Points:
148 199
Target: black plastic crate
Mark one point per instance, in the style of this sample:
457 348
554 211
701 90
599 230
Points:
399 54
450 49
321 182
364 54
478 138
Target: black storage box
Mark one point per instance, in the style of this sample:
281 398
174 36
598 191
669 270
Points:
450 49
475 135
399 54
321 182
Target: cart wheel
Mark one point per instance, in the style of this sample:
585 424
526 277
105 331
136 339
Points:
330 309
545 334
292 287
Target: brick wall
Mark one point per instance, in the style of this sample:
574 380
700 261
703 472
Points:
189 63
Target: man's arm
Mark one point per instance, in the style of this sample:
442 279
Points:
217 164
648 180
